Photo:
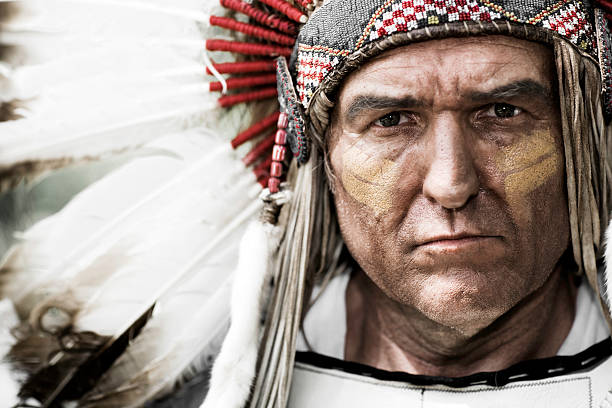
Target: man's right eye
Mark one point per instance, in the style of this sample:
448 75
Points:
503 111
390 119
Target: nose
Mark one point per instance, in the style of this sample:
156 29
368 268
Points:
451 177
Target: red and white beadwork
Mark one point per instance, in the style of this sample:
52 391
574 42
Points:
408 15
570 23
314 63
278 153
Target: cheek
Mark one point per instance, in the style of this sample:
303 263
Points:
364 194
368 179
533 164
532 174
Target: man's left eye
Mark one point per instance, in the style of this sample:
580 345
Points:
503 111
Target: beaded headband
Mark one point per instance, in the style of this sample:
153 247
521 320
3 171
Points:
341 35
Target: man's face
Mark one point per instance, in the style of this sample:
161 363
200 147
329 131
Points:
449 175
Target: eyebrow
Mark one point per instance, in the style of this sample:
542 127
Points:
372 102
521 88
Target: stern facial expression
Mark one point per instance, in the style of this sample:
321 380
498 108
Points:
449 175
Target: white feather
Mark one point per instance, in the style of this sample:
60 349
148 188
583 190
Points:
182 204
168 344
9 387
154 250
95 71
148 278
134 198
101 76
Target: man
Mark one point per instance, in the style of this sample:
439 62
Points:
464 138
448 154
436 244
448 177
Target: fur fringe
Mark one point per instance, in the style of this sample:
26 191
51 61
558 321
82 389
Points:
234 368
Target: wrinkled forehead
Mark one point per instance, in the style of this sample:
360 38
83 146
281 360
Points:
455 68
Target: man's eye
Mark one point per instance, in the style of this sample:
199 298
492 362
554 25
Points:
503 111
390 119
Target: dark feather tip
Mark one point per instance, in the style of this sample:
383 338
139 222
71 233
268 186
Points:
10 110
64 366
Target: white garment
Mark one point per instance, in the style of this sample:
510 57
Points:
314 386
325 323
589 325
324 327
320 385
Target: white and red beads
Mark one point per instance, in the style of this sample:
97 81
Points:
278 153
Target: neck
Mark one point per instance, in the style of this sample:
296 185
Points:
391 336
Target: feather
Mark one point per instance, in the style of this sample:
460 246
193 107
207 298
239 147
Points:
9 111
115 64
210 320
164 353
131 195
9 107
134 249
8 10
101 282
61 246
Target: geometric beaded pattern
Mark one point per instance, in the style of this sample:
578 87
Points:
409 15
573 24
314 64
324 45
605 60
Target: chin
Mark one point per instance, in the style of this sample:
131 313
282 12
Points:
467 306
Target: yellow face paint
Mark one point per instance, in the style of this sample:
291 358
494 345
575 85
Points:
528 164
368 180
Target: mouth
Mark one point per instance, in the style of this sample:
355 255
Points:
457 241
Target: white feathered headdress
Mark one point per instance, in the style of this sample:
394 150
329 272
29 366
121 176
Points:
124 294
129 291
